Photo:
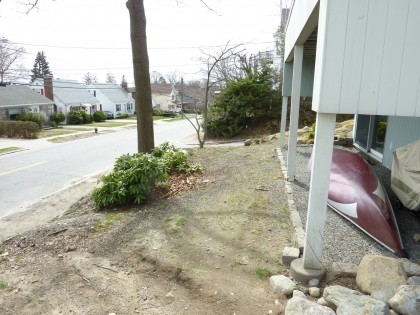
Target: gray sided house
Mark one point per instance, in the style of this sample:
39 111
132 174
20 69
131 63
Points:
190 96
17 99
67 94
112 98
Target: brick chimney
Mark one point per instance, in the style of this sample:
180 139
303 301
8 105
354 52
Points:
124 85
48 87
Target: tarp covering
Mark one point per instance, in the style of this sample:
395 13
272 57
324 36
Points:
405 175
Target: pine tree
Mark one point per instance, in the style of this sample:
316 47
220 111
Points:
41 66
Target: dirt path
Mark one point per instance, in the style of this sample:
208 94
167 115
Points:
206 251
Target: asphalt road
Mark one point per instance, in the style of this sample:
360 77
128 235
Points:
46 168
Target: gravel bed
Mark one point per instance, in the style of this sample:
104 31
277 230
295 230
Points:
343 242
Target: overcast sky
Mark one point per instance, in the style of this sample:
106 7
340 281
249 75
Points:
80 36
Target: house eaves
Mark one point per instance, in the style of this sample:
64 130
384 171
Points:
21 95
71 92
113 92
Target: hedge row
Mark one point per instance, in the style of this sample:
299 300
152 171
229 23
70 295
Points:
19 129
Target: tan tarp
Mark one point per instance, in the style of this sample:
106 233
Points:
405 175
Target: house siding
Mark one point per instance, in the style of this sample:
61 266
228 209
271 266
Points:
307 81
367 58
400 131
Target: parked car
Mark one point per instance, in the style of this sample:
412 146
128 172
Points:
108 115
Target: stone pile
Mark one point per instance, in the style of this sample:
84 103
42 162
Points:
385 286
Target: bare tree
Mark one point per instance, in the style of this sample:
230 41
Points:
110 78
145 135
89 78
211 62
173 77
9 58
157 77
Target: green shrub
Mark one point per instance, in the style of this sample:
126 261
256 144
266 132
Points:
133 179
175 159
78 117
311 133
224 126
87 119
19 129
122 115
58 118
38 118
98 116
157 112
75 117
135 176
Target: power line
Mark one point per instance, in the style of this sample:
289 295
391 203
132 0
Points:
149 48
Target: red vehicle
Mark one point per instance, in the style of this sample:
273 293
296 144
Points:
356 193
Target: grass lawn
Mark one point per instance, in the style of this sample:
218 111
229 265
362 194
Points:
9 149
54 132
154 118
109 124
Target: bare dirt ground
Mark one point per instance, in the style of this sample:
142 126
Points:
206 249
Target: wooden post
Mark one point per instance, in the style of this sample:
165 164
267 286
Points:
294 112
318 190
283 122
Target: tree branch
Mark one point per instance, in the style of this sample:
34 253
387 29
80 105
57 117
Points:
210 9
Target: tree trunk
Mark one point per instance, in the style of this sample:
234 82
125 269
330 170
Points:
144 110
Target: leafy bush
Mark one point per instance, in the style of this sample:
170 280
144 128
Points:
38 118
87 119
175 159
133 179
311 133
122 115
19 129
58 118
78 117
135 176
157 112
75 117
98 116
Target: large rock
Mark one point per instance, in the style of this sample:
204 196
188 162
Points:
339 269
282 284
411 268
384 293
351 302
300 306
407 300
414 280
375 272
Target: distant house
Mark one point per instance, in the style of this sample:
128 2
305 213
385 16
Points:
174 97
67 94
17 99
112 98
161 95
188 97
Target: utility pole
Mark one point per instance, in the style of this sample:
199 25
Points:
182 97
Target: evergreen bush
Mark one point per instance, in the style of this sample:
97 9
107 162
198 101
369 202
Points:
78 117
98 116
122 115
37 118
58 118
